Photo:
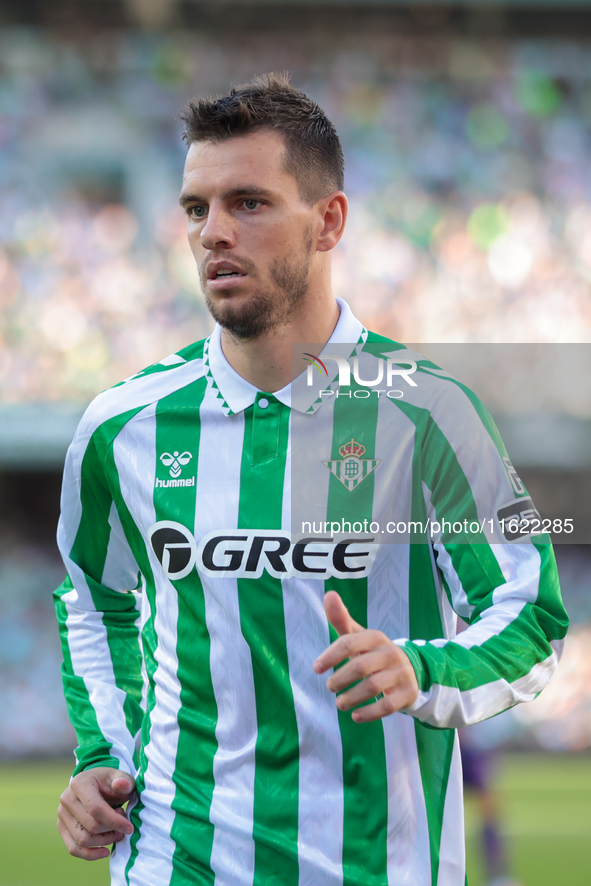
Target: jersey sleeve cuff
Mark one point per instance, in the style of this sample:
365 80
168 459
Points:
111 762
408 647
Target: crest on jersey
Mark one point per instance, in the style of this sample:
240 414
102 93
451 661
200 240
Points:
352 468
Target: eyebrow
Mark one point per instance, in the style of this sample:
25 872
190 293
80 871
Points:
232 194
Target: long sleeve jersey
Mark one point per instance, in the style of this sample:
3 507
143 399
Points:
193 611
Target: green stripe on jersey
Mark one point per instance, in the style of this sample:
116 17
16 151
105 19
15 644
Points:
549 611
365 825
94 749
435 749
262 619
178 430
119 613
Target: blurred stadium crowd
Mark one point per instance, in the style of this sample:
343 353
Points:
470 191
467 169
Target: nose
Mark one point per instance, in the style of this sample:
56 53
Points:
218 229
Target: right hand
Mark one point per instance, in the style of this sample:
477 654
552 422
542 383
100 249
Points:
87 822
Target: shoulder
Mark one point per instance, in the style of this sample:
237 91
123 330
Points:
427 391
426 382
118 404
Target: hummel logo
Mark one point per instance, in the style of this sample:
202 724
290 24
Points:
176 461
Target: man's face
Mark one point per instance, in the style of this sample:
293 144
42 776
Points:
251 234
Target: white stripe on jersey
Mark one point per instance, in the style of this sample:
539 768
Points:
91 660
121 570
395 440
231 811
409 856
320 813
408 835
458 595
310 442
452 850
135 393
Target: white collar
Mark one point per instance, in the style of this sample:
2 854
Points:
236 393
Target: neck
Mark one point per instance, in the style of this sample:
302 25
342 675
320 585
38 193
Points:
269 362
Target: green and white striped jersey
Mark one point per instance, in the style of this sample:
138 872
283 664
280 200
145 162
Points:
190 619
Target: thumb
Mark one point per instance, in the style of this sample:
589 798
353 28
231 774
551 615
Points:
123 783
338 615
114 784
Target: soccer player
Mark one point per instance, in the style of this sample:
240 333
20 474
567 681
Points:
280 710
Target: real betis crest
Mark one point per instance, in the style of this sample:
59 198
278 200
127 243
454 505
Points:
352 469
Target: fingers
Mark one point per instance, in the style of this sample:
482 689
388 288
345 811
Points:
95 816
361 667
112 784
95 792
383 707
393 688
87 821
80 842
123 784
82 836
338 614
94 813
348 645
374 666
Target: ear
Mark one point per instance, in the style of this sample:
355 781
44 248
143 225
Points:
333 209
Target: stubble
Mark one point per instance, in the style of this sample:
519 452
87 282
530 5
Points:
269 308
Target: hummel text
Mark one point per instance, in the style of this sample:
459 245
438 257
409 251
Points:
164 484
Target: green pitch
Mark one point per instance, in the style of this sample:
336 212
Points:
546 801
546 806
31 850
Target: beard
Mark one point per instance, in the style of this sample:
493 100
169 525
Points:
269 308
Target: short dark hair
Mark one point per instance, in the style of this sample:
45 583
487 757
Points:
314 155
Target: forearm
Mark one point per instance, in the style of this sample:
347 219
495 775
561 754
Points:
511 649
460 686
102 679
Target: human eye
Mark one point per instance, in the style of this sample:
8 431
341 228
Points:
250 203
196 212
